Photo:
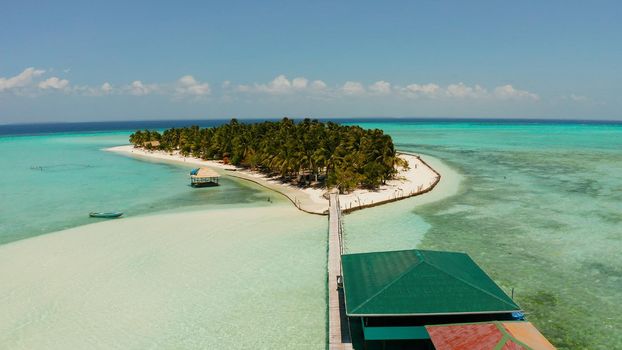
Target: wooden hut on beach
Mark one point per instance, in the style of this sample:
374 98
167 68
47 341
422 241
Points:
151 144
202 177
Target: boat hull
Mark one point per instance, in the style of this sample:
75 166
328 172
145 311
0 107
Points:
105 215
204 184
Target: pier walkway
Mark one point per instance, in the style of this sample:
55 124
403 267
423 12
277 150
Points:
338 328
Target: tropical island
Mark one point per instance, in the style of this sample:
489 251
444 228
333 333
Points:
309 153
301 160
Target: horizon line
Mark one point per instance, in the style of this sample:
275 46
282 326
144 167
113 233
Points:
381 118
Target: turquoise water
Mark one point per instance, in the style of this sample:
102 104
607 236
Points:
221 268
226 278
52 182
540 209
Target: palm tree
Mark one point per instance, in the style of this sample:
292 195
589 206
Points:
342 156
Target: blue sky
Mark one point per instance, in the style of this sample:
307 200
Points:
118 60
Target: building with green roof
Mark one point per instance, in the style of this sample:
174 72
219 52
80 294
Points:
391 296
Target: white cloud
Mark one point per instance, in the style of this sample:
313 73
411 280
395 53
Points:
54 83
579 98
31 81
186 86
380 87
317 88
299 83
189 86
318 85
22 80
425 90
461 90
106 88
138 88
352 88
509 92
281 85
244 88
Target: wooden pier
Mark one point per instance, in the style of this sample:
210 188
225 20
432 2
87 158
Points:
338 327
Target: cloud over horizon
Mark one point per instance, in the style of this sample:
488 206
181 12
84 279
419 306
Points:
32 81
22 80
54 83
189 86
281 85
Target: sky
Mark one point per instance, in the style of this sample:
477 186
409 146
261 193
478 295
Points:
134 60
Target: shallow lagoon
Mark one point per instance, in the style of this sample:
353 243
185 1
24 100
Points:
51 182
218 267
224 278
539 208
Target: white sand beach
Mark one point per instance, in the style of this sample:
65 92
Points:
418 178
213 279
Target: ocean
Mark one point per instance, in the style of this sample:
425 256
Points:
51 182
540 206
540 210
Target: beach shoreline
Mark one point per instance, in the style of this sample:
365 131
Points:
418 179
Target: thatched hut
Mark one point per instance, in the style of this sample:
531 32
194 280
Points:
151 144
201 177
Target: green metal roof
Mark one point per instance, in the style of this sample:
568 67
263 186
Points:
419 282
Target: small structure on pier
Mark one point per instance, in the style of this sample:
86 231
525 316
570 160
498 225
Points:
202 177
391 297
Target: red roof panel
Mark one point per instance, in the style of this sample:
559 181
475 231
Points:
465 337
487 336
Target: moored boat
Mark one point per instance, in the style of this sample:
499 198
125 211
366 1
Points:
113 214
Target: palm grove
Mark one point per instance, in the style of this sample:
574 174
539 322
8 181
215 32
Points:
306 153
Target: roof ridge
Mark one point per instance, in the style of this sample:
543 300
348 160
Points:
390 284
508 336
468 283
390 251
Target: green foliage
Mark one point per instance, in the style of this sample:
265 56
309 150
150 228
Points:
307 152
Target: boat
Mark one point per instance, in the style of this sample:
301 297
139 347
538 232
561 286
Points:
113 214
